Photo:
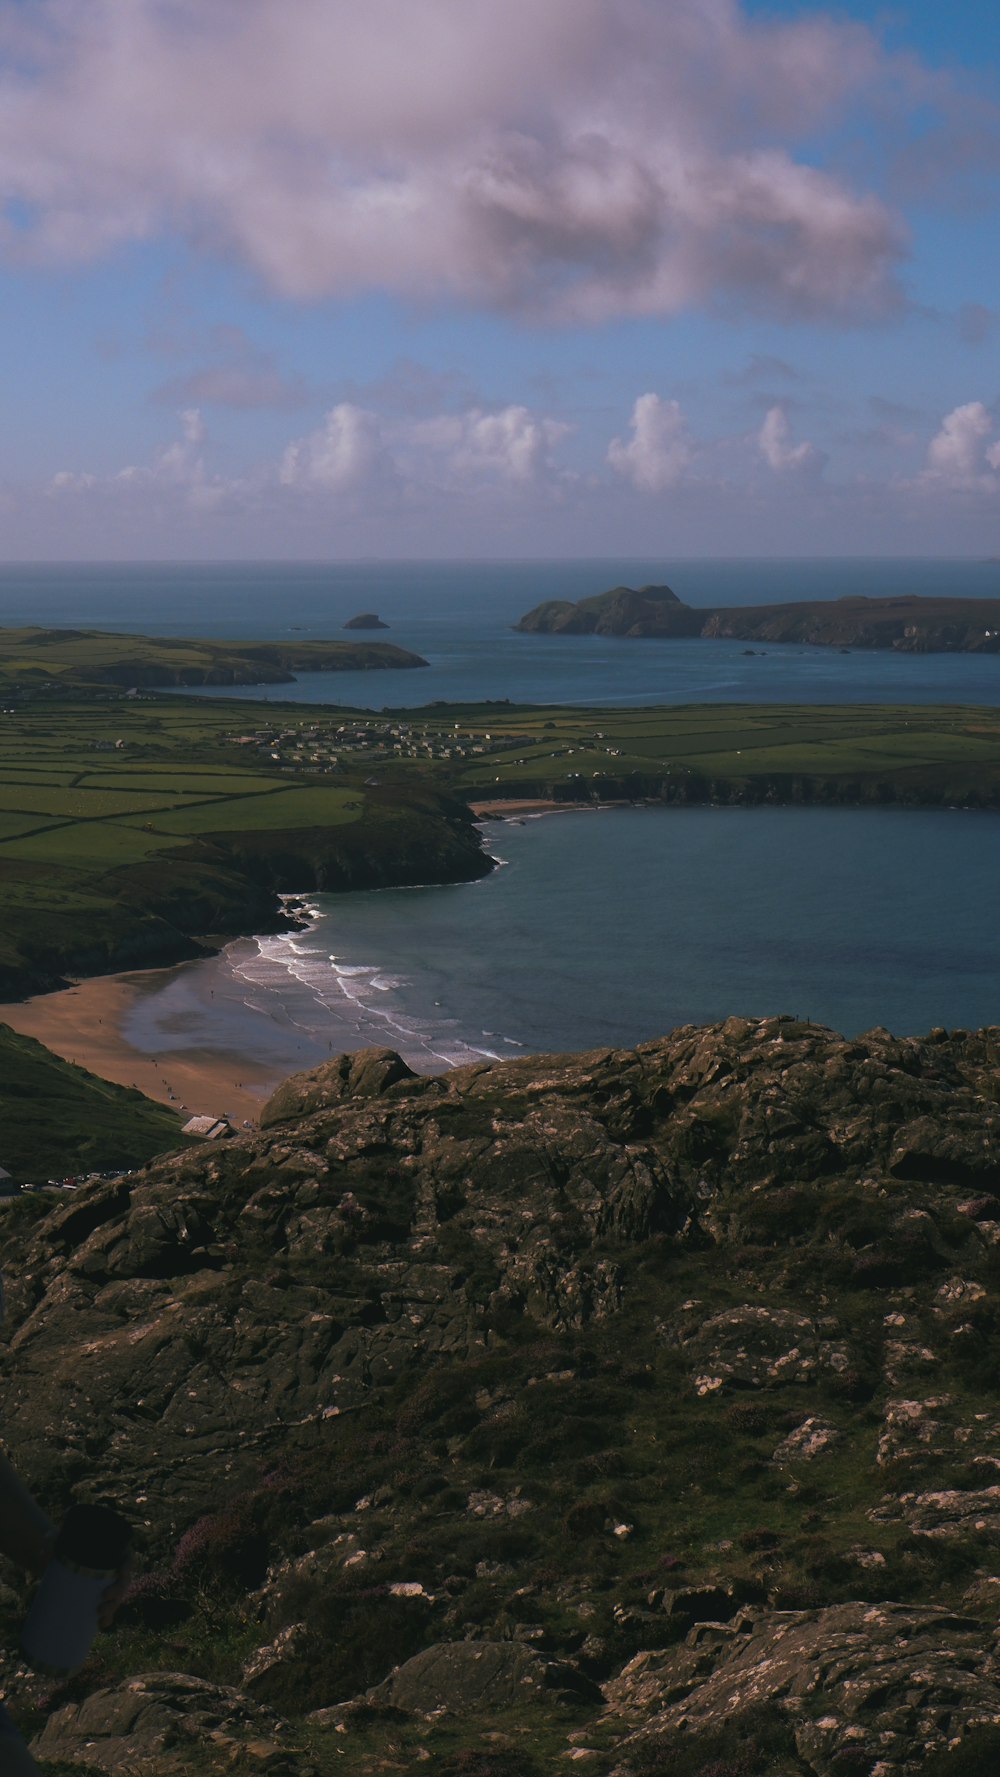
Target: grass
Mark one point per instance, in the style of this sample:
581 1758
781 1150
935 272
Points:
57 1119
66 659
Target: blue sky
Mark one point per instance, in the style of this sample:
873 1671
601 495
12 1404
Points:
498 278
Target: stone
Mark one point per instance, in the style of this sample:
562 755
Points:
889 1683
156 1723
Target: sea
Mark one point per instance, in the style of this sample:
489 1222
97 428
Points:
596 927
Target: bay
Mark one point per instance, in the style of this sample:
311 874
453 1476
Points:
607 928
458 616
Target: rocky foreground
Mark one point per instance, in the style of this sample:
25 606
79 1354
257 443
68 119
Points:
635 1410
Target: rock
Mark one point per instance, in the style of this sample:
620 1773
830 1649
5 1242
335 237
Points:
157 1724
753 1347
809 1439
396 1373
477 1678
887 1683
365 620
366 1073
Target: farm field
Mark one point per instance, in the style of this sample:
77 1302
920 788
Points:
48 660
131 826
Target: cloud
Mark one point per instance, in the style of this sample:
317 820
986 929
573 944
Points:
234 373
762 367
958 456
512 445
562 158
977 324
177 474
778 453
659 452
348 452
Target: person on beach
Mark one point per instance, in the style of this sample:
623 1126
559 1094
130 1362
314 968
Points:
28 1537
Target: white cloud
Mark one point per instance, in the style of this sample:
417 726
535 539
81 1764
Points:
957 454
659 451
512 445
585 158
177 473
773 442
346 453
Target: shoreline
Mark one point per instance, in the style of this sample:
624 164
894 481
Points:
83 1023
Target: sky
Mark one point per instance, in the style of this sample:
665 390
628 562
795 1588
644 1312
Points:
498 278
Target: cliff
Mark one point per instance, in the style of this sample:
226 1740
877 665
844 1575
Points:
910 624
636 1408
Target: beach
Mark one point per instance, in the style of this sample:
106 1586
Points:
84 1023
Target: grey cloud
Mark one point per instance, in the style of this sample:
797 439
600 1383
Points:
576 159
233 385
978 324
759 368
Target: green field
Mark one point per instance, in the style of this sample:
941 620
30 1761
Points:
51 660
129 826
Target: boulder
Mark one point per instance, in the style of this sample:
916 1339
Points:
879 1685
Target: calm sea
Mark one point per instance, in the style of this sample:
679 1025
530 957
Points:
607 928
458 616
604 928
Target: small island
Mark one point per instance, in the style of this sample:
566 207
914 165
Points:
366 620
908 624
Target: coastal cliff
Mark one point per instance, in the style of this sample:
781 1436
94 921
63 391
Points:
909 624
636 1407
155 912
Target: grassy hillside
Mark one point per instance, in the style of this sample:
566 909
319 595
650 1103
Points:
128 828
61 659
56 1119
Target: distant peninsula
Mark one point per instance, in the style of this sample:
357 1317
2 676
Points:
365 620
77 659
907 624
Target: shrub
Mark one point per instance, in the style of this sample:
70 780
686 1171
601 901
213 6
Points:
754 1744
977 1755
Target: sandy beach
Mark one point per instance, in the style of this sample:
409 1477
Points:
83 1024
527 805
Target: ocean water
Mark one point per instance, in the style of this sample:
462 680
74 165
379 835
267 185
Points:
611 927
458 617
602 928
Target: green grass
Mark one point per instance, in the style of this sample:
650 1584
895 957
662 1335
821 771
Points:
57 1119
61 659
283 808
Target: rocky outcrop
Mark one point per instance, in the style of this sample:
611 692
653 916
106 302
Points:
365 620
860 1687
162 1723
910 624
445 1400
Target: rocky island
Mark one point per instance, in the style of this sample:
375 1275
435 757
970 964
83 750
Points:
637 1409
366 620
908 624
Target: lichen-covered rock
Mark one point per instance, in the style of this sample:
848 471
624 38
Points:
886 1683
160 1723
477 1677
558 1356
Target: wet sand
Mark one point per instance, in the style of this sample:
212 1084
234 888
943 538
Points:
527 805
83 1024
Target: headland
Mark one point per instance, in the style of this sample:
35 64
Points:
910 624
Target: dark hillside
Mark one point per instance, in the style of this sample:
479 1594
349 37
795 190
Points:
57 1119
639 1406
